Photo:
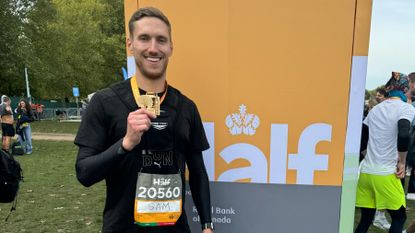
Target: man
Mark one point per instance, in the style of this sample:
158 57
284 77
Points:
411 154
411 150
411 77
380 220
386 135
6 114
140 155
381 95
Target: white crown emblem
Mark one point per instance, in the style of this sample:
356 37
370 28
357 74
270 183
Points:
243 122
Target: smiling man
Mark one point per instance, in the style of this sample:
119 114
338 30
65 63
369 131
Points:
140 140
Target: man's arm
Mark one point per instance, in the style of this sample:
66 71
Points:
403 143
198 178
363 141
93 166
199 185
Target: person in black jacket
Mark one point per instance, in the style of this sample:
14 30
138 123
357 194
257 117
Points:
139 134
23 129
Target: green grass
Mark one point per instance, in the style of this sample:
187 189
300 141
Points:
50 198
55 127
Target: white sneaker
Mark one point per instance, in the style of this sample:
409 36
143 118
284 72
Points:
381 222
404 231
410 196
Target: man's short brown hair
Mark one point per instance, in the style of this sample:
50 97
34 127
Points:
147 12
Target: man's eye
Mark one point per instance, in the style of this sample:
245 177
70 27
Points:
144 38
162 40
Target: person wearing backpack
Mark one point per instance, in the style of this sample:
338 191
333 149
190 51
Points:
24 117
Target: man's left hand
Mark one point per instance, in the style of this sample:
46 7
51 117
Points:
400 170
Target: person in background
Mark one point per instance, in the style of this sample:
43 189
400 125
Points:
24 117
84 106
381 95
380 220
7 120
411 153
385 137
411 77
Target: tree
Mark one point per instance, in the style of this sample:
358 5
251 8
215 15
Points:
12 14
64 43
113 47
40 47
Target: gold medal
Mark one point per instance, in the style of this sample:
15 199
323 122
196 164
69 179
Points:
150 101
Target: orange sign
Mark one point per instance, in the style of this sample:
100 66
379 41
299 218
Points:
272 82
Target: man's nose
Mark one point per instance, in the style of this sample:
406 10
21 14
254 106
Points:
153 46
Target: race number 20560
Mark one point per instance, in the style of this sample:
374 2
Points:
158 193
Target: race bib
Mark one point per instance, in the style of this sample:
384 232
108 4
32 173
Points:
158 199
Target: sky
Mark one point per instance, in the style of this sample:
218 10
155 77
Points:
392 40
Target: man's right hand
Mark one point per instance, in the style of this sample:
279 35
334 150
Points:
138 122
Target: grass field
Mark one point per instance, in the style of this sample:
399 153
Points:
50 198
55 127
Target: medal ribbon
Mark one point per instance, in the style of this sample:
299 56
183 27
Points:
136 90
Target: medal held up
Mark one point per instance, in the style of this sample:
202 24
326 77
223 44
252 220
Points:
151 102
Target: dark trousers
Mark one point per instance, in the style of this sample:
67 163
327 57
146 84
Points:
411 185
368 214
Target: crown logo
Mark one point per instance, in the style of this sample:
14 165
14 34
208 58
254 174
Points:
242 122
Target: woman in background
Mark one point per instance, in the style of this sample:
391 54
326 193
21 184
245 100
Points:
24 117
7 129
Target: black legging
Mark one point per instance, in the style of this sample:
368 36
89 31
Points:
367 216
411 184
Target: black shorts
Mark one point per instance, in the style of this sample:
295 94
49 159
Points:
7 129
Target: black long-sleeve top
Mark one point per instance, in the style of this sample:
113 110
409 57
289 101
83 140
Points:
99 139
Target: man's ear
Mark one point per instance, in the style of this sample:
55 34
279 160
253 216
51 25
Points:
171 47
130 44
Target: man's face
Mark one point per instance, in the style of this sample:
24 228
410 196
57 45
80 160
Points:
411 87
151 46
379 97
